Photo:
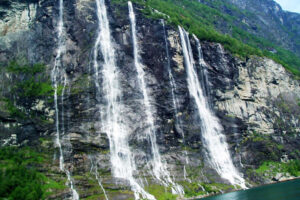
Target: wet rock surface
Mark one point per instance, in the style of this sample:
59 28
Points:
255 99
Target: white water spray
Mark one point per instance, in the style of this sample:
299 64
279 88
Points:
111 113
212 135
58 74
159 168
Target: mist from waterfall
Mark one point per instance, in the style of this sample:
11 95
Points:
213 139
159 168
112 121
59 76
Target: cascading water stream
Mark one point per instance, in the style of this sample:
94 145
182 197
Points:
159 168
203 70
94 170
212 135
178 121
58 74
111 112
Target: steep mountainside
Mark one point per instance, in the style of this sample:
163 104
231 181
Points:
266 19
116 103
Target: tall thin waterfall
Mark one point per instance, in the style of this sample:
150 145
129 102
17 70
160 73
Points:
59 76
111 113
212 135
159 168
203 70
178 121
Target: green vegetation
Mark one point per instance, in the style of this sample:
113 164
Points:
12 109
160 192
15 67
272 168
19 178
35 83
266 139
201 20
196 189
192 189
269 149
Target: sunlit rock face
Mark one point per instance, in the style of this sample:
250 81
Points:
255 101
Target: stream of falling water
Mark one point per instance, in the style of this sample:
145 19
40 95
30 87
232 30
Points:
203 70
212 135
58 74
159 168
94 170
178 121
111 113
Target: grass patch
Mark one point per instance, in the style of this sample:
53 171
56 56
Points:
195 189
160 192
272 168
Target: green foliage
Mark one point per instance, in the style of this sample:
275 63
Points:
15 67
160 192
201 20
272 168
193 189
13 110
34 88
268 148
19 177
35 83
293 167
266 139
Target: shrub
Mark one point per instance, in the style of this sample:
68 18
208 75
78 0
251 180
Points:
19 180
34 83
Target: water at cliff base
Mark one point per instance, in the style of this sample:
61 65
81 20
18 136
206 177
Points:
280 191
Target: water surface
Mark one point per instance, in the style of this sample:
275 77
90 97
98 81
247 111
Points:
289 190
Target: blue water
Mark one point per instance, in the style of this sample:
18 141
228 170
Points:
289 190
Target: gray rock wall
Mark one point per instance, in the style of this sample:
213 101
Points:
253 97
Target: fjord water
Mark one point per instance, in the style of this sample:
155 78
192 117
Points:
159 168
58 76
289 190
112 121
211 130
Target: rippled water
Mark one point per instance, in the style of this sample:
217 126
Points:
280 191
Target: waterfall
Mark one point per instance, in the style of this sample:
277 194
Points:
203 70
111 113
58 75
178 121
212 136
94 170
159 168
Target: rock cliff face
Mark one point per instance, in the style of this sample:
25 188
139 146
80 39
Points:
256 101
